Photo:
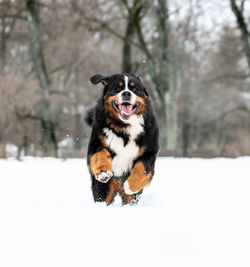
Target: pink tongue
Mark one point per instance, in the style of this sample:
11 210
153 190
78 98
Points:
126 110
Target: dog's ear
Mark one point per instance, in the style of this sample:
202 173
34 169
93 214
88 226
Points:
99 78
144 87
145 90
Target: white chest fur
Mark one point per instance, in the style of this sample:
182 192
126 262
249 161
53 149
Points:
125 154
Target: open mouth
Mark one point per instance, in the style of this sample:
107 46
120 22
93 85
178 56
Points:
125 109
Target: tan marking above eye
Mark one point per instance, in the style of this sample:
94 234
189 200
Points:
132 84
121 84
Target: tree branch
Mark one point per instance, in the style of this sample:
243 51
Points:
238 12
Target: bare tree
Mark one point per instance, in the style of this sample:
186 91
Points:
43 107
166 79
238 11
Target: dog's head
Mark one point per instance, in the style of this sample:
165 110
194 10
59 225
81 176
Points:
123 95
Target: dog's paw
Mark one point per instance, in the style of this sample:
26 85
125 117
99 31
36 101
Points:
104 177
127 190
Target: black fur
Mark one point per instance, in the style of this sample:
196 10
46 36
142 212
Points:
99 118
97 78
89 116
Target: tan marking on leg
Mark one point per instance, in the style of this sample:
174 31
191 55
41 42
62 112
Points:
114 188
138 178
126 199
101 162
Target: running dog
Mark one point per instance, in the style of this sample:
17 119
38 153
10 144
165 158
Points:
124 142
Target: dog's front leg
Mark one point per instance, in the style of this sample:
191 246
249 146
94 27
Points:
138 179
101 165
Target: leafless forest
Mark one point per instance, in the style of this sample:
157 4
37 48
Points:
194 55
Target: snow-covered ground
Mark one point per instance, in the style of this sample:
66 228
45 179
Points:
195 213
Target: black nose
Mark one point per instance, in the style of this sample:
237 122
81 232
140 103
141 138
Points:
126 95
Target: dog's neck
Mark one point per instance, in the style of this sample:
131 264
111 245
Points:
135 126
130 128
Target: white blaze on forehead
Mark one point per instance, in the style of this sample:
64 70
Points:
126 82
133 96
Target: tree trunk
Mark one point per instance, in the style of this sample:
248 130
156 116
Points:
127 48
166 80
2 150
47 126
36 48
185 139
78 132
3 45
172 114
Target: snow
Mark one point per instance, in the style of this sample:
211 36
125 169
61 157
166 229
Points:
195 213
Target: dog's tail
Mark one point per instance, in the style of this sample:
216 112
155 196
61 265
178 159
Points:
89 117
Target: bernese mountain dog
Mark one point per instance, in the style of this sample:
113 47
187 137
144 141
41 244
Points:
124 142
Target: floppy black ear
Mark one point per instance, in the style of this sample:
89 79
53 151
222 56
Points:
99 78
145 90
